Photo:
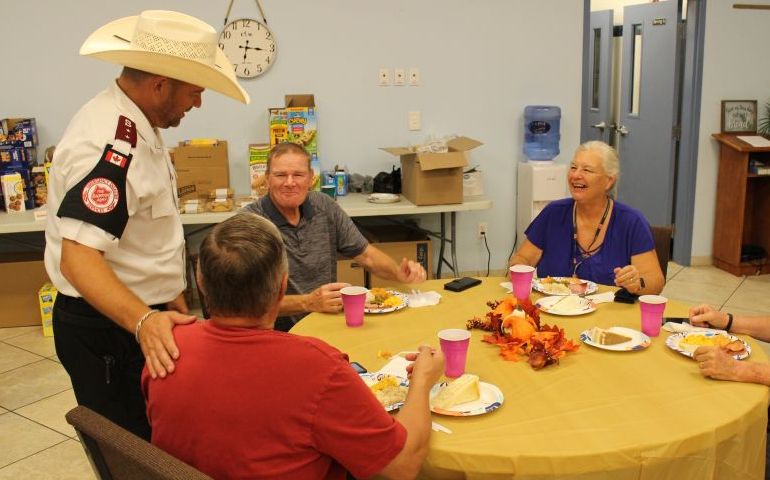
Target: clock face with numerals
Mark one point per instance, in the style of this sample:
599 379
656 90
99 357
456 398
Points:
249 45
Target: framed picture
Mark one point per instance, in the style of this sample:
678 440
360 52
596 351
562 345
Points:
739 116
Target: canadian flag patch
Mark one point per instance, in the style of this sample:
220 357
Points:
115 158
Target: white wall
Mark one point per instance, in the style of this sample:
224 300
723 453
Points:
734 67
481 63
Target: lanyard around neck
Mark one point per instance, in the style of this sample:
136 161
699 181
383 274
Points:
586 253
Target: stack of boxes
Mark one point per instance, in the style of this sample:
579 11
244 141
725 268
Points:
22 180
297 122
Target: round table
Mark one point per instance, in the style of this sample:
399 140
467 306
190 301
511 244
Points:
598 414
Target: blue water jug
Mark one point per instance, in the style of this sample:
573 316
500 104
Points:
541 132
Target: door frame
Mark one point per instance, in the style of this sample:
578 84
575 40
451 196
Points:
685 171
687 165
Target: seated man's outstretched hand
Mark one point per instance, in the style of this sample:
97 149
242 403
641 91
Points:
326 298
411 272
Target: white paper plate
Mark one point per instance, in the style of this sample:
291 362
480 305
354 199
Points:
404 304
372 378
491 399
639 341
537 284
546 304
673 342
384 198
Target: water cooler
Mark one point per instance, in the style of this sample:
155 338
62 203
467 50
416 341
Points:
538 184
540 180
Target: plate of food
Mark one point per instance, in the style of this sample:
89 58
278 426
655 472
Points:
564 286
380 300
390 390
465 396
687 342
568 305
618 339
383 198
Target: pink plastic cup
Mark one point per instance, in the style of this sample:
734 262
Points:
353 300
652 307
521 278
454 345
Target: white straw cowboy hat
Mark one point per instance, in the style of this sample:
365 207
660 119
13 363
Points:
170 44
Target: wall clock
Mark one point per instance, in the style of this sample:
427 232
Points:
249 45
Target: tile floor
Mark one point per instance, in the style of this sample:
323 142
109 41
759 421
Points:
37 443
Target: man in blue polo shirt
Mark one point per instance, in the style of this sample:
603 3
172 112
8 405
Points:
315 229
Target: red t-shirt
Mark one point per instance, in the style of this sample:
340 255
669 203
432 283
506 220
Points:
247 403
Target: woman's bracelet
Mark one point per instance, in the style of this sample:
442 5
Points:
729 322
141 321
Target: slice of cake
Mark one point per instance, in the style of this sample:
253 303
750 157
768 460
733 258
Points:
606 337
568 304
461 390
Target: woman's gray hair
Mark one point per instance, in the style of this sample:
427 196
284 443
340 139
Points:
610 160
242 263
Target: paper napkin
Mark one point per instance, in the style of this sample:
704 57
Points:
423 299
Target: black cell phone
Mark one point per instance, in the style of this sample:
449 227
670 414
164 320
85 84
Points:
675 320
358 367
624 296
461 284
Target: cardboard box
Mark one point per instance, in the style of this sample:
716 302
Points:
20 132
46 296
351 272
200 169
13 192
258 168
399 243
434 178
297 122
21 275
277 122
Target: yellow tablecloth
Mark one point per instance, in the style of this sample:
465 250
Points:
597 415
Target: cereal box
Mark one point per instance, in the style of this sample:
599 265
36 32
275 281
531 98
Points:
278 129
40 185
258 167
13 192
46 296
302 122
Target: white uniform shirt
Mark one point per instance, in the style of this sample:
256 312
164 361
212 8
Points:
149 256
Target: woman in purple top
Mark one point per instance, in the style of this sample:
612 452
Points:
590 235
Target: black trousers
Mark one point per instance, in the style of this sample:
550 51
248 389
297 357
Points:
104 363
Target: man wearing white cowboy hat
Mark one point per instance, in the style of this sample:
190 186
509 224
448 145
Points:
114 240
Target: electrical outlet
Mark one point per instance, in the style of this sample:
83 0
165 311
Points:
414 120
414 76
482 229
399 77
384 77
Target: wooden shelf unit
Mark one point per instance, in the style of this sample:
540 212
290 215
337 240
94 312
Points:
742 214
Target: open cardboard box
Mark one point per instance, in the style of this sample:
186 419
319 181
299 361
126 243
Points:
434 178
200 169
21 276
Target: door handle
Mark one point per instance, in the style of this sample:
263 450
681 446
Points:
622 130
600 125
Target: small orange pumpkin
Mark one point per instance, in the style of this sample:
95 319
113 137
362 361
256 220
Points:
520 327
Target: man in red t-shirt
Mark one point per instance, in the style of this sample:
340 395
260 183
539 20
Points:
246 401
